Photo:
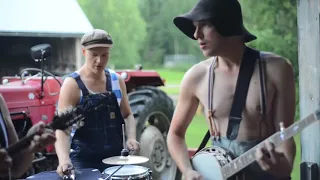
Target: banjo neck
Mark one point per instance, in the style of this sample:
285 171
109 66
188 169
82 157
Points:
278 138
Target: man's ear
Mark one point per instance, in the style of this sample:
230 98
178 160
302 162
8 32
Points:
83 52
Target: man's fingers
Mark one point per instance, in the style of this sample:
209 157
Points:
8 161
262 159
3 154
68 169
47 139
271 151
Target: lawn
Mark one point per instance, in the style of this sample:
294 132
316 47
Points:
198 127
172 79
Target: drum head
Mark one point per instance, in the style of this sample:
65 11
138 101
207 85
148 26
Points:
127 170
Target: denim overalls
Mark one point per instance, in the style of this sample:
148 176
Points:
101 135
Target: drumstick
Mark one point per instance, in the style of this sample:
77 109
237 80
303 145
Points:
123 137
114 172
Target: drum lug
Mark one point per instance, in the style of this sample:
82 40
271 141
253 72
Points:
150 174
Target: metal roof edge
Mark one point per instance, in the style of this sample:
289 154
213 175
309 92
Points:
41 34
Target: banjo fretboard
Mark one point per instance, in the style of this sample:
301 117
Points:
278 138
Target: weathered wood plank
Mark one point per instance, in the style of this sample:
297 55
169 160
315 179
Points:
309 75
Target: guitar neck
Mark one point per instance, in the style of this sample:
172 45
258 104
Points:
21 144
278 138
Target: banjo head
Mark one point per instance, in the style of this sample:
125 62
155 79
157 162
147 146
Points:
209 160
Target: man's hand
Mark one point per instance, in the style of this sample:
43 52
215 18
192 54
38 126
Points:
5 162
272 161
65 169
42 139
133 145
192 175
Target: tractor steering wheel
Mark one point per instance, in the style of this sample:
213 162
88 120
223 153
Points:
39 70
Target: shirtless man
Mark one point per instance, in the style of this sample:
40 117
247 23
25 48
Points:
101 135
217 26
20 163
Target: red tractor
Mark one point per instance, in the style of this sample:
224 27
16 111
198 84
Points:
32 96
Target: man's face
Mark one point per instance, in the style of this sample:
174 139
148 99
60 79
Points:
208 38
97 58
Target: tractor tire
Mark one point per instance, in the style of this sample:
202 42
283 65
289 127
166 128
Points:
153 110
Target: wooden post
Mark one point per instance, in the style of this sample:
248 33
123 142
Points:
309 76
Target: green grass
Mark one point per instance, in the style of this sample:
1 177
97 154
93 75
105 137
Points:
171 76
198 126
172 80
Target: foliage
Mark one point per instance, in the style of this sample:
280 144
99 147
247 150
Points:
163 38
122 19
275 24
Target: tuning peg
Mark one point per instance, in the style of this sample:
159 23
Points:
282 128
81 123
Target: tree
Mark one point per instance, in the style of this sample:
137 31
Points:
122 19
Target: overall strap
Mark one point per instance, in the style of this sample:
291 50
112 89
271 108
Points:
263 94
247 66
263 91
80 83
210 104
109 83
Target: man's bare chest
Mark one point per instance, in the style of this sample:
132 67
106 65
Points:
96 85
223 91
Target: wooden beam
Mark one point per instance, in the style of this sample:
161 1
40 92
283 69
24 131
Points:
309 75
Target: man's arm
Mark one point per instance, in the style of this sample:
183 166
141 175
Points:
23 160
285 104
182 117
68 97
126 111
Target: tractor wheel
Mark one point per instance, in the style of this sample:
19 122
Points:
153 110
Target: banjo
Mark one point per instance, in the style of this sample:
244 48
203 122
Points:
216 163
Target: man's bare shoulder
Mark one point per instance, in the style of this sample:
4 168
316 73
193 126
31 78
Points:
275 60
198 71
277 66
70 82
69 86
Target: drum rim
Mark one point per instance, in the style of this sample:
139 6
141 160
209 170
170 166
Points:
138 175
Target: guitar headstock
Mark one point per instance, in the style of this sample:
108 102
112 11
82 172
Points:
72 116
67 118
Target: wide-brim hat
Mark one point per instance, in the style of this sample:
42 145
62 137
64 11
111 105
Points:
225 15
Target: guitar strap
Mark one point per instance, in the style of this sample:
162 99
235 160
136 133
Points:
250 57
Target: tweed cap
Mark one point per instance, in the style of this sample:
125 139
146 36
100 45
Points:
96 38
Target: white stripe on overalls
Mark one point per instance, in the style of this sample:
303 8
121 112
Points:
115 85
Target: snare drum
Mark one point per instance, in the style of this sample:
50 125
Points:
128 172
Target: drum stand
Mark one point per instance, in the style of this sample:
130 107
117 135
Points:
124 152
